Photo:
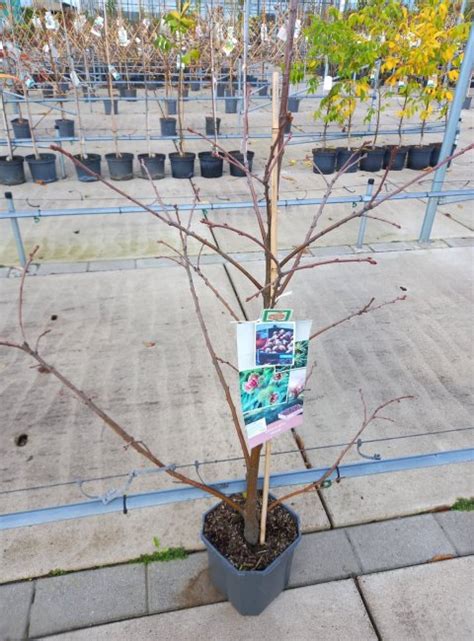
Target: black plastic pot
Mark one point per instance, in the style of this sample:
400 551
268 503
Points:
231 103
92 162
195 85
324 160
419 157
63 87
293 104
182 166
65 127
21 129
168 126
171 106
250 591
43 169
398 159
108 106
48 91
343 155
434 158
372 159
239 156
220 89
129 93
210 125
120 167
467 102
155 166
263 89
12 172
211 166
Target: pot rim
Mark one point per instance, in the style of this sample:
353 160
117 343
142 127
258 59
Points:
324 150
188 155
125 155
147 155
209 155
44 157
14 160
89 156
270 567
236 153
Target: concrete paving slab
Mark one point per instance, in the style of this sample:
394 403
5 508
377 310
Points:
15 598
4 272
390 247
46 269
459 528
110 265
314 610
460 242
322 557
380 546
88 598
180 584
422 603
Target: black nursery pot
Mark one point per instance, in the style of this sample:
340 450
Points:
231 103
239 156
65 127
92 162
168 126
12 172
171 106
21 128
372 159
324 160
398 160
434 158
120 167
48 91
343 155
250 591
195 85
108 106
293 104
211 166
129 93
155 166
220 89
419 157
182 166
43 169
210 126
263 89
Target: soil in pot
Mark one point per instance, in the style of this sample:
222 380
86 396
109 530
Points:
65 127
168 126
171 105
224 528
210 126
239 156
293 104
155 166
12 171
120 167
324 160
108 106
43 169
21 128
182 166
372 159
344 155
419 157
398 158
92 161
211 166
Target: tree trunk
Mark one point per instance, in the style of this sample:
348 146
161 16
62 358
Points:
251 525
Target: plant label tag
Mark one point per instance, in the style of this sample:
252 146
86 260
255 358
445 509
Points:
327 83
281 315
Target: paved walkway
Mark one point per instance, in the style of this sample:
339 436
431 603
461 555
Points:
400 579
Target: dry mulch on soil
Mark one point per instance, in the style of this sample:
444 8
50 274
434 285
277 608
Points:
224 528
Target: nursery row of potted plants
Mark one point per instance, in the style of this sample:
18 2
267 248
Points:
152 166
327 160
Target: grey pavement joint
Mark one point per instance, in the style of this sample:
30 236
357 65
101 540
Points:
15 601
88 598
398 543
460 242
459 528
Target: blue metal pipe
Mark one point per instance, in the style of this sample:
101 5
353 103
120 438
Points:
288 202
178 495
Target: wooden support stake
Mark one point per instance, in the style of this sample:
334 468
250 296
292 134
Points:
273 275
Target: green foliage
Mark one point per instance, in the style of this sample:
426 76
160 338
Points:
57 572
161 554
464 505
